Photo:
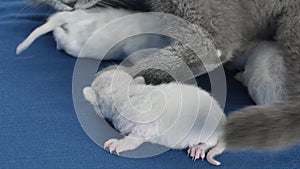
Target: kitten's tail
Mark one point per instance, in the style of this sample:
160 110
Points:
54 21
264 127
217 150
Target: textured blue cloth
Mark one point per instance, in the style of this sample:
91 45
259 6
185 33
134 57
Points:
38 124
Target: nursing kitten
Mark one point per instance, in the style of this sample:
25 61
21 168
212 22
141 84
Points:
72 29
174 115
263 73
231 25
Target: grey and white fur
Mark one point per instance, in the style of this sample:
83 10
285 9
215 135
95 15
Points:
72 30
232 25
70 5
263 72
158 114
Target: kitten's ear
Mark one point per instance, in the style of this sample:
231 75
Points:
90 95
139 80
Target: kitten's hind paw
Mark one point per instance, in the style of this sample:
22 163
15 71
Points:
198 151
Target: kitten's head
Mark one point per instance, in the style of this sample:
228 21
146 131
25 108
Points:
108 82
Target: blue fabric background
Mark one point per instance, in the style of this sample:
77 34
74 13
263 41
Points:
38 124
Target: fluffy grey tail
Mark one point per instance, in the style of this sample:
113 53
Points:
54 21
264 128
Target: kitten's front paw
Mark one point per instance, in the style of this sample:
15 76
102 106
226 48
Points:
118 146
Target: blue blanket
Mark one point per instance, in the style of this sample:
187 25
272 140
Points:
38 124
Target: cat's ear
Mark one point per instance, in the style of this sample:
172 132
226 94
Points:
90 95
139 80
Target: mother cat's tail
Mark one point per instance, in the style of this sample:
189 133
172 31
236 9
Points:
264 127
53 22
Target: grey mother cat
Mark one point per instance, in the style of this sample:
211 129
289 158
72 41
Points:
232 25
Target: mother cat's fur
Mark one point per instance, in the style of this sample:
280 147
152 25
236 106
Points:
232 25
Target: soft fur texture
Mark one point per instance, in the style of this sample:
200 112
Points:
68 5
73 29
232 25
158 114
264 73
64 5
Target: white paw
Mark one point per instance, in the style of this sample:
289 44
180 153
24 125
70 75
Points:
198 152
117 146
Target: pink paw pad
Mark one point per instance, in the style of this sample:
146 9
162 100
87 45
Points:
198 152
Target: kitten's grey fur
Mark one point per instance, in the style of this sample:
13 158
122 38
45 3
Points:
232 25
263 72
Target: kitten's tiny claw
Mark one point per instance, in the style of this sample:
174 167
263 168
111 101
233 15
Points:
192 152
198 152
118 151
112 148
118 146
202 156
108 143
